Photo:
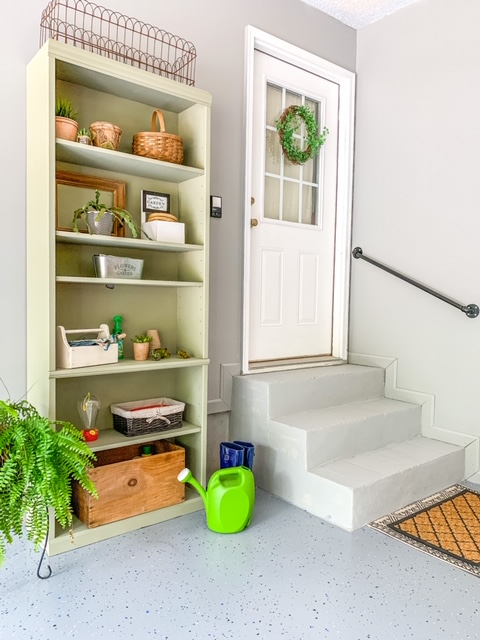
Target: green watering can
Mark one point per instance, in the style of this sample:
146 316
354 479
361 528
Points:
229 498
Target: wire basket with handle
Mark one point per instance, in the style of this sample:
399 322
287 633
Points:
158 145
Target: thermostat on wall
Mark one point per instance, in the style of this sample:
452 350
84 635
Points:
215 206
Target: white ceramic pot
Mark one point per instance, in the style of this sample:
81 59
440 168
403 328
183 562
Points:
102 227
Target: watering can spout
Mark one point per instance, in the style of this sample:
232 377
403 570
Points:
186 476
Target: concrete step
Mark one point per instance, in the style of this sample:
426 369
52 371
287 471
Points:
381 481
285 392
347 430
329 442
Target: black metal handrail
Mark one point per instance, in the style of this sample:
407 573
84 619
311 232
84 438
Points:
470 310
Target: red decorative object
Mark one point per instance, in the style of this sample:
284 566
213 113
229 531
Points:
90 434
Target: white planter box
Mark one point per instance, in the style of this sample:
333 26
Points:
71 357
163 231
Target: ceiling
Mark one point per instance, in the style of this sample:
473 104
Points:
359 13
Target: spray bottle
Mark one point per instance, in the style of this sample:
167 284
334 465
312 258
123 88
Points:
118 333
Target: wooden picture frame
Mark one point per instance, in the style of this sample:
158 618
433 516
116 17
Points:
116 188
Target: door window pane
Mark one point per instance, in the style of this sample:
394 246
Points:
291 170
310 170
309 205
292 98
272 198
274 104
273 153
290 201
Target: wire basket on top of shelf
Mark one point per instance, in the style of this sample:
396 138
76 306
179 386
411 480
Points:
113 35
147 416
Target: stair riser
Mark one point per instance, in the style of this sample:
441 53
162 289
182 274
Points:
356 384
399 490
372 432
271 395
352 509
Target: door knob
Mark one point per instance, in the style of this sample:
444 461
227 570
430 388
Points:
253 222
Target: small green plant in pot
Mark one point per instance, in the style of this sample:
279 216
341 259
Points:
141 346
39 459
66 125
99 217
83 136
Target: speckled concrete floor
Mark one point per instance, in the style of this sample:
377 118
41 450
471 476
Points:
290 575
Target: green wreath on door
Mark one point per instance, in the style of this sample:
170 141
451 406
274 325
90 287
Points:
287 125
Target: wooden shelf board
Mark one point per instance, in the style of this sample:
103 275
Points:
111 439
129 366
119 162
70 237
126 282
117 78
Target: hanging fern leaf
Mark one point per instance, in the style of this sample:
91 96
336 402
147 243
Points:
38 461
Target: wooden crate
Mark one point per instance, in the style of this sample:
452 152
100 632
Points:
129 485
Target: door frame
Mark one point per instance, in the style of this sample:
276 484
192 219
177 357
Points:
271 45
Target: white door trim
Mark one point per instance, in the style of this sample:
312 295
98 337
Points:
257 39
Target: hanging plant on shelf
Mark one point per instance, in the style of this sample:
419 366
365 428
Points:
287 125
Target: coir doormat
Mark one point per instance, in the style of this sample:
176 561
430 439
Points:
445 525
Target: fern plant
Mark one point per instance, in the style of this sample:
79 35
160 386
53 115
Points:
38 461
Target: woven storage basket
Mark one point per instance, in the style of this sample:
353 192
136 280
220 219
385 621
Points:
147 416
158 144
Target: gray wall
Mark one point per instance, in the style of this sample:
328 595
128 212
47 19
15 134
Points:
216 27
417 200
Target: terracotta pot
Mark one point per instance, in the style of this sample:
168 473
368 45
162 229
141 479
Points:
141 350
105 135
66 128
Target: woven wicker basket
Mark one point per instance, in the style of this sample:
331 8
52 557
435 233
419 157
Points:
147 416
158 144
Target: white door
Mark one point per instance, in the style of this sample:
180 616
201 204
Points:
294 212
297 257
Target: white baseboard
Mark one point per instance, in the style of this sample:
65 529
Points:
427 401
224 403
475 478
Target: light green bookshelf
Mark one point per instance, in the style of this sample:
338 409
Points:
61 288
